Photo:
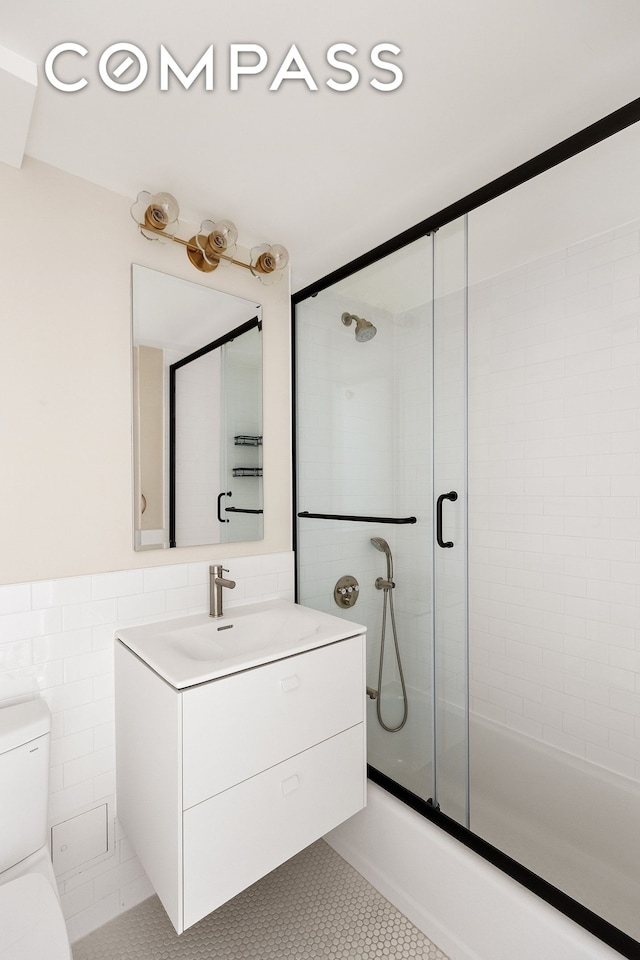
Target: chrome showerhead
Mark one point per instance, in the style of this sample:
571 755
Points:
381 545
384 547
365 330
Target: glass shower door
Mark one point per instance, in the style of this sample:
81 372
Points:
450 568
380 411
364 486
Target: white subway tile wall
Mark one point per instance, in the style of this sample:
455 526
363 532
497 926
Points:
364 415
345 408
243 393
554 471
56 642
554 463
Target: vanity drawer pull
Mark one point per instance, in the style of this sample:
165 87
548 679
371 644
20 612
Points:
289 785
290 683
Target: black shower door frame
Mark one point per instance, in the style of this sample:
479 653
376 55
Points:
595 133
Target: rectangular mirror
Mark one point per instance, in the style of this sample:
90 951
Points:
197 414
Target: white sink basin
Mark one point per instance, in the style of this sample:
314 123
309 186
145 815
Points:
194 649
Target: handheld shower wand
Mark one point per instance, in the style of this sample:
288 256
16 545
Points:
384 547
388 586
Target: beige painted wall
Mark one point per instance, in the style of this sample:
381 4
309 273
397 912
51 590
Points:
66 249
148 445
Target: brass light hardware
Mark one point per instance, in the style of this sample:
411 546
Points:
212 246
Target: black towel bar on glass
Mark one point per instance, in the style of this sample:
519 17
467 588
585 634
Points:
344 516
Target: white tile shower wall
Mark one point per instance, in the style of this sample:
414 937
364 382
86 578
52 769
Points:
412 544
345 440
364 418
450 569
56 642
243 414
449 440
347 403
554 485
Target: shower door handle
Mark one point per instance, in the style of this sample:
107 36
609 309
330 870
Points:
222 519
453 496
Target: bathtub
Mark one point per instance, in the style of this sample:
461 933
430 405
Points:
468 907
404 756
573 823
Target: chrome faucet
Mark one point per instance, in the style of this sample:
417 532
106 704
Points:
216 583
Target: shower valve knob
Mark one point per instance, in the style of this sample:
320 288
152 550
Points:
345 592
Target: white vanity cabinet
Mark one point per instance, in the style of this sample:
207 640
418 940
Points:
219 783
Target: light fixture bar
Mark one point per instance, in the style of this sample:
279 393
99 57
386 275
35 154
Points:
193 246
157 219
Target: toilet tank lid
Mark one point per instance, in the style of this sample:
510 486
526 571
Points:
22 722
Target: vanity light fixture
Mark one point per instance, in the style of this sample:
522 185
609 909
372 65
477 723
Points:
213 245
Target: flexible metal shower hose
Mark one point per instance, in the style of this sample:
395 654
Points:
388 599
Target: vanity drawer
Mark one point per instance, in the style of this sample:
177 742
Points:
240 725
233 839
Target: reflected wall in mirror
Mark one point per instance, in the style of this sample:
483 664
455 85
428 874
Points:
197 414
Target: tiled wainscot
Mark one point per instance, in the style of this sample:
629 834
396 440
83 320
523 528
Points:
56 642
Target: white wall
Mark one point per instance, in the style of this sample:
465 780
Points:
65 432
68 572
554 459
199 436
364 417
345 405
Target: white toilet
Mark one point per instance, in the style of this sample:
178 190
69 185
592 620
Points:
31 923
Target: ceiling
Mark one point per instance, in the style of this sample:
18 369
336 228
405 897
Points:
486 85
178 315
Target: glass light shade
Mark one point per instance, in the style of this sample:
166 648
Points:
218 238
268 262
156 215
